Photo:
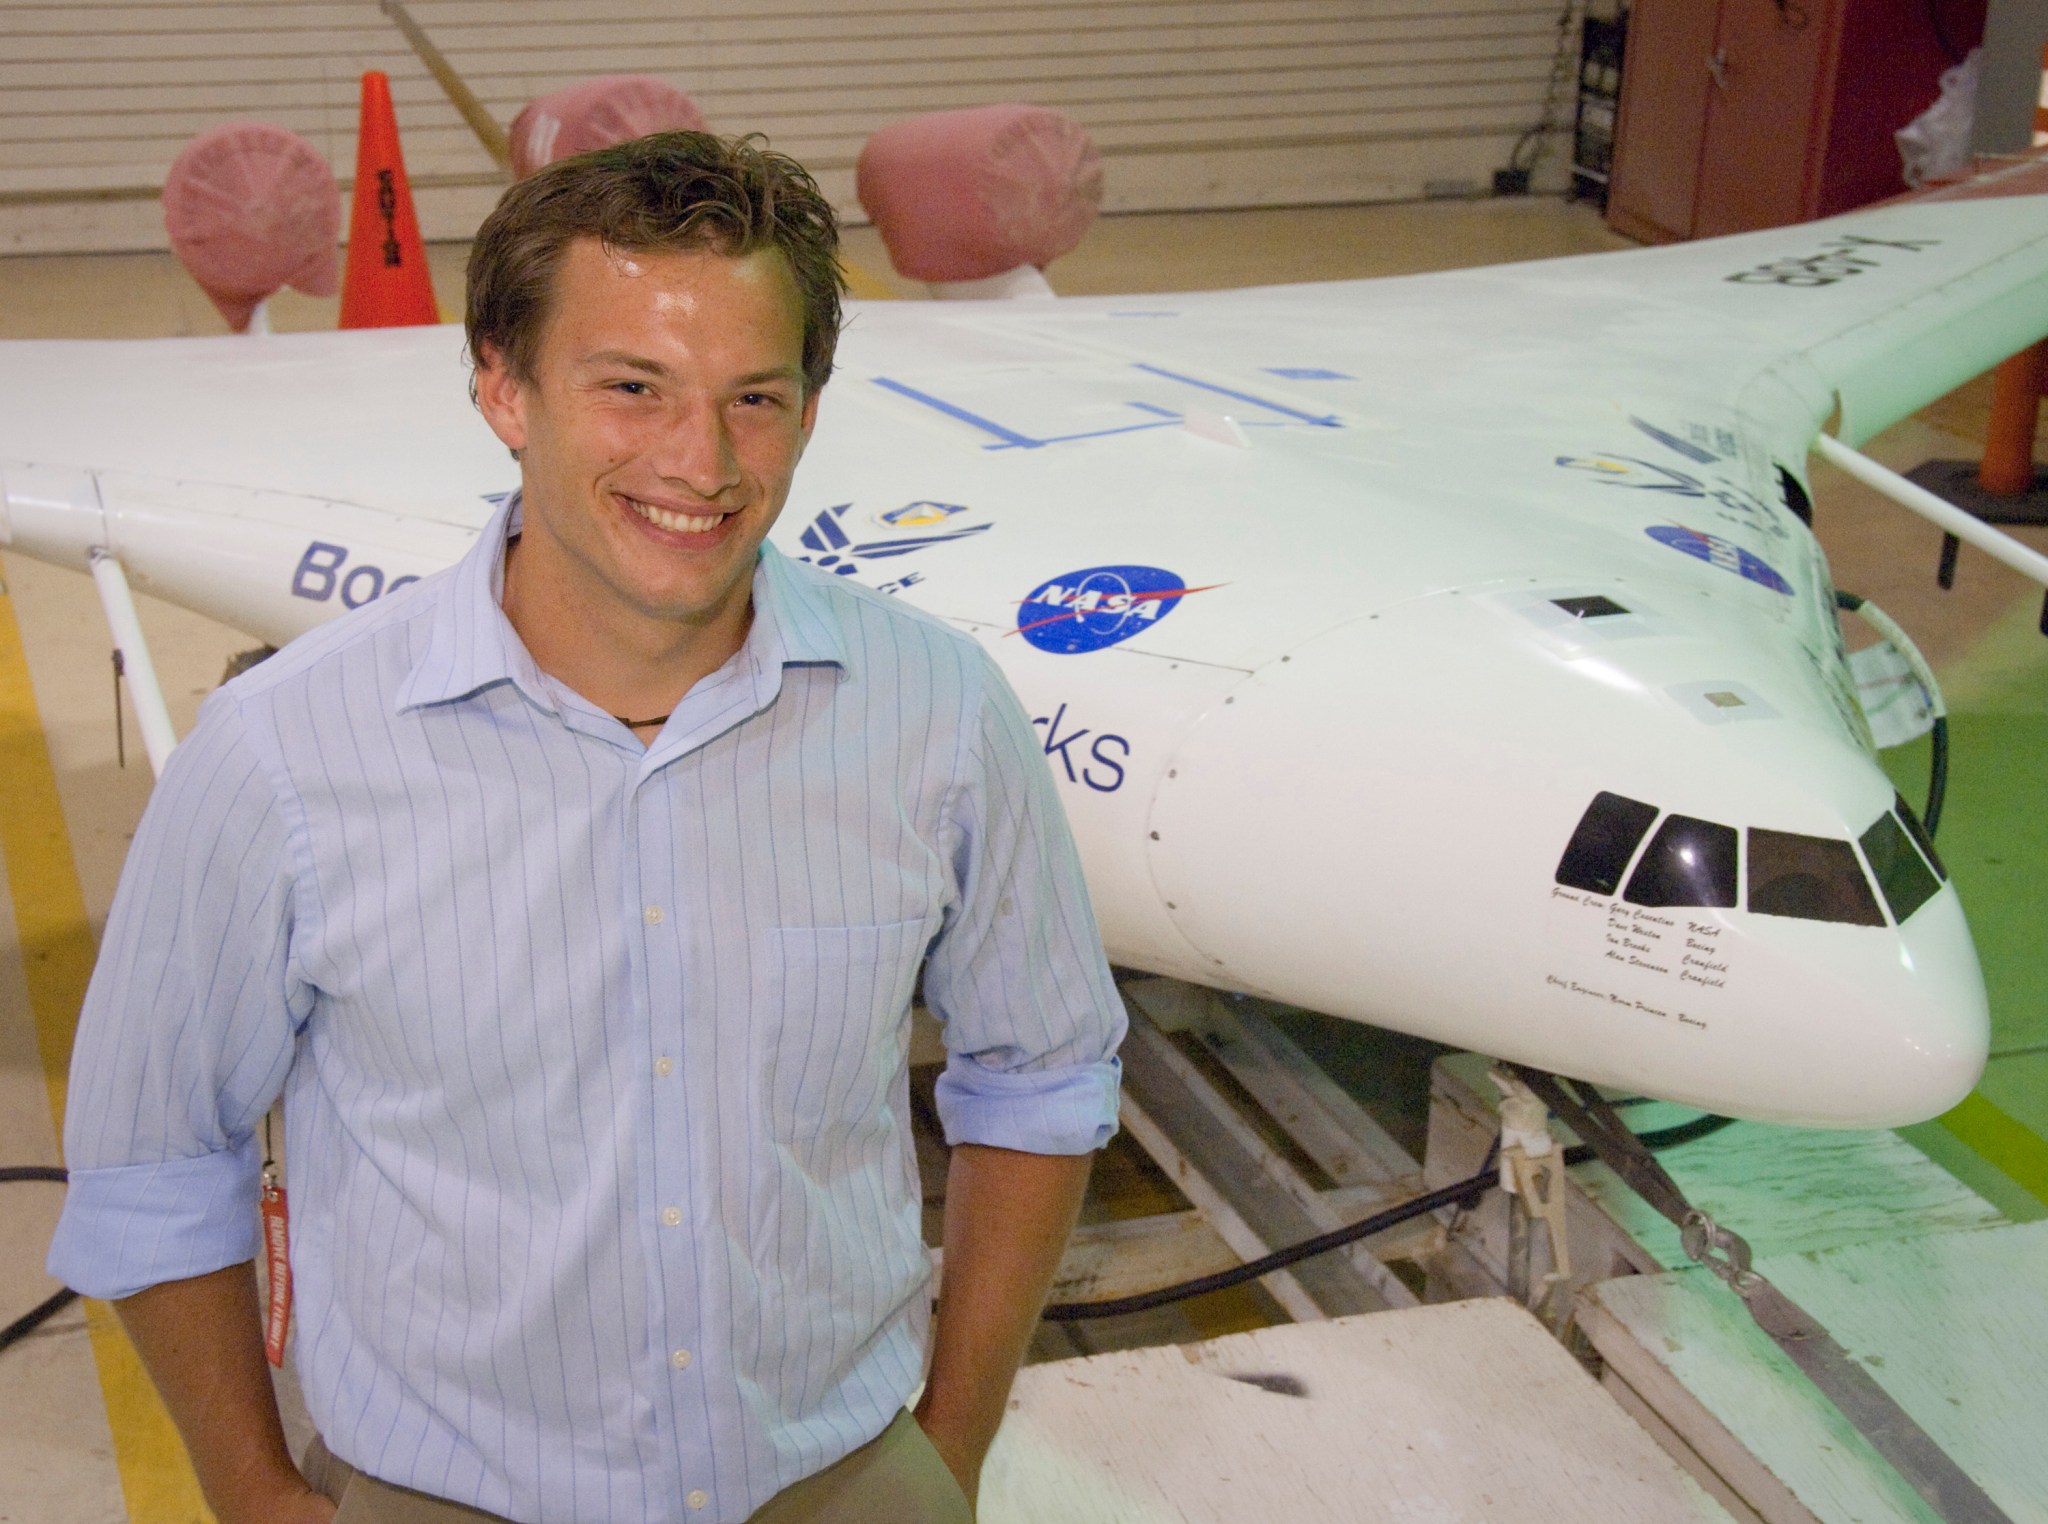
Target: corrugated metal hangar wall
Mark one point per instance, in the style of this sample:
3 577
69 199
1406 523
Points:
1194 103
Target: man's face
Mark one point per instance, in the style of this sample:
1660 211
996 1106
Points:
660 429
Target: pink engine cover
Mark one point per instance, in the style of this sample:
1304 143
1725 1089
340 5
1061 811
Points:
613 108
252 208
963 195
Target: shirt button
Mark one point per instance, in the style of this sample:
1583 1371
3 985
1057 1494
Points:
671 1216
696 1500
664 1066
651 915
680 1359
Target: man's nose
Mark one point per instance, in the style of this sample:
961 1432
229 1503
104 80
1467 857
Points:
696 451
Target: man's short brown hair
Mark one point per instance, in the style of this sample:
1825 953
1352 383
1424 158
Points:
672 191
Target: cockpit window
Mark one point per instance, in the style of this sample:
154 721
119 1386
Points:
1809 878
1598 853
1688 862
1919 834
1902 877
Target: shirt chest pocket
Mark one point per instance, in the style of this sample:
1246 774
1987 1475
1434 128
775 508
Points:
832 1026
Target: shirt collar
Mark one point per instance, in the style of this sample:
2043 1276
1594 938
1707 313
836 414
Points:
472 646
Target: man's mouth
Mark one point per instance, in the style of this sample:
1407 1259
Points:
678 523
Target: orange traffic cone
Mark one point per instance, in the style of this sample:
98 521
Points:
387 284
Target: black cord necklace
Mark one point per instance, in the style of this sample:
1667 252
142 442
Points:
659 719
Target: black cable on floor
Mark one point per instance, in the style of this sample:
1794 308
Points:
40 1314
1464 1193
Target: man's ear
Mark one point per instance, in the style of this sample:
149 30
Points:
501 398
809 416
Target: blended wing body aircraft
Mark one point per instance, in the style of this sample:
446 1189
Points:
1443 652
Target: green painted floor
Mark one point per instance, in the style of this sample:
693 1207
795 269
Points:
1994 839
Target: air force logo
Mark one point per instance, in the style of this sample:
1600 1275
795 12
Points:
827 544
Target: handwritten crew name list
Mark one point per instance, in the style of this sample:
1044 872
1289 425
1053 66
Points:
1646 949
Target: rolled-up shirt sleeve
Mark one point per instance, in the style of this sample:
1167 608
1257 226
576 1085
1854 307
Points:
1017 977
188 1027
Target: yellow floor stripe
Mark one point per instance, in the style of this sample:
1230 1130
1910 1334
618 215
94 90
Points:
57 956
2013 1147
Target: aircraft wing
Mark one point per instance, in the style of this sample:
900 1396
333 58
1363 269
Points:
1347 612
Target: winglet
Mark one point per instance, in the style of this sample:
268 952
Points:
387 284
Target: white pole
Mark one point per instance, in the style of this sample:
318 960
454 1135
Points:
1964 526
150 710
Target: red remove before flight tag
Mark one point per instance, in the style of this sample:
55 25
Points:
277 1257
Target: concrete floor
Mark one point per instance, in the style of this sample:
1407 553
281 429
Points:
61 1459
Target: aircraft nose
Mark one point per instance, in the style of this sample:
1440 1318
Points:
1440 759
1940 1038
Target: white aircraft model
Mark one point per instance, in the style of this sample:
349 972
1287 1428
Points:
1443 652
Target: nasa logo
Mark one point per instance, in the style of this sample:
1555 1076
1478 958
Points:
918 515
1718 552
1097 607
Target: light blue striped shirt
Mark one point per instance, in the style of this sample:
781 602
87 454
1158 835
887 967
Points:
603 1199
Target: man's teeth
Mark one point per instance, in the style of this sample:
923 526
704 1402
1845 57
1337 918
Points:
686 523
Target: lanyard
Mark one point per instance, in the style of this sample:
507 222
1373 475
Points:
277 1256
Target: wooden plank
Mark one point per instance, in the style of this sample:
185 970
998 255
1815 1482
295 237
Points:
1260 1184
1114 1259
1246 1241
1104 1260
1672 1444
1466 1411
1953 1325
1686 1428
1327 1124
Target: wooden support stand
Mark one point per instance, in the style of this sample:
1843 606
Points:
1371 1394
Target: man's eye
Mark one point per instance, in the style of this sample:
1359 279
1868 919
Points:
760 399
632 388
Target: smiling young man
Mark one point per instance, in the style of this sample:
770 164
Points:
573 899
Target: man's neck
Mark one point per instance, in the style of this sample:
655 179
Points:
630 666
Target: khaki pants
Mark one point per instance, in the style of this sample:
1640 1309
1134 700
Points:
895 1478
